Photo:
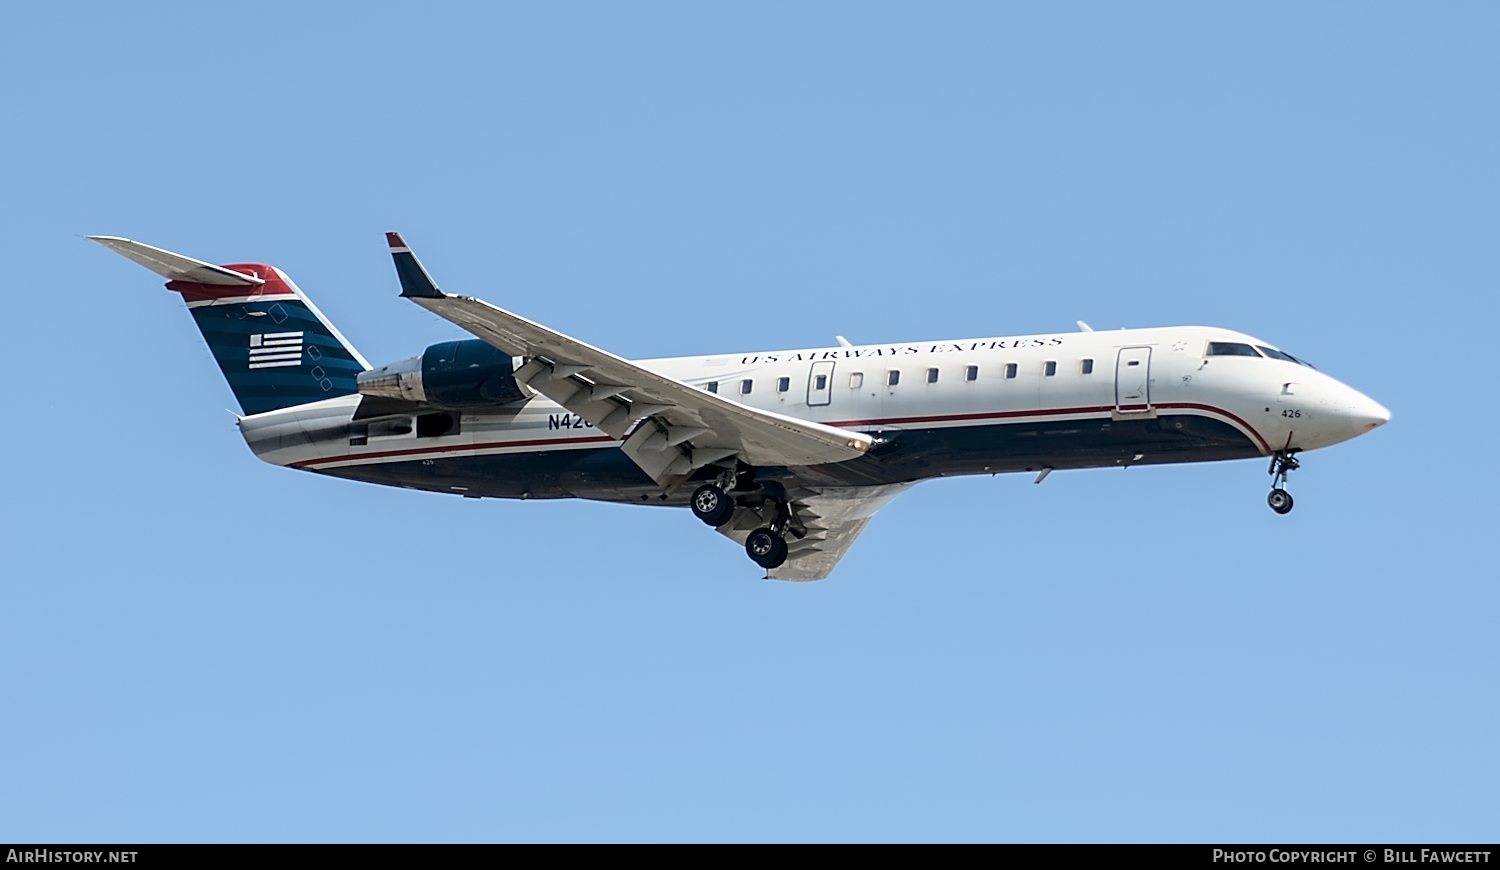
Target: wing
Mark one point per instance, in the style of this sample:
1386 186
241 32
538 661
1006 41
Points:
832 517
670 429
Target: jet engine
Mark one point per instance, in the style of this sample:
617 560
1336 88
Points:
453 376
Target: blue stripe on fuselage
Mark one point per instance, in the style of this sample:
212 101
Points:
901 455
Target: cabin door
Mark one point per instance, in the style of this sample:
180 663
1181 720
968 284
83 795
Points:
820 383
1133 380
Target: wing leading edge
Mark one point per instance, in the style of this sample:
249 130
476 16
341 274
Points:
669 428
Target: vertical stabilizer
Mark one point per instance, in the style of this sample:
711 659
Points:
275 348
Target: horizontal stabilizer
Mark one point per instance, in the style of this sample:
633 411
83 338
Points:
176 267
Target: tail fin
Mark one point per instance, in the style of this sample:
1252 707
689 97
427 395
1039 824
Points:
275 348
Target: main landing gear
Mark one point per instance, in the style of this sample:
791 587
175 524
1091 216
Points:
766 546
1283 462
712 504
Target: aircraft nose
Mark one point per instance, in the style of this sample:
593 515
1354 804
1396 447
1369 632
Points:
1365 413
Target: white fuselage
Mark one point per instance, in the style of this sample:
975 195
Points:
1064 400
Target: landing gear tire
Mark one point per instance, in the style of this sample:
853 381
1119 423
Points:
1280 501
712 505
766 549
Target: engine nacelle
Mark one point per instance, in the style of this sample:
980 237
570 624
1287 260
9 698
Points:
453 376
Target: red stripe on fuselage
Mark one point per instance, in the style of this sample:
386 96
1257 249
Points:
986 415
452 448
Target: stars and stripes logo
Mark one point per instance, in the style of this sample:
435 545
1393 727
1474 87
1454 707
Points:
271 350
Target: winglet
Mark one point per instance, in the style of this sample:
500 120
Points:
415 282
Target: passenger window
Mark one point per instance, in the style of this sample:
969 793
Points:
783 384
745 386
1230 348
820 382
712 387
971 373
1088 367
932 376
1010 370
892 378
856 380
1051 368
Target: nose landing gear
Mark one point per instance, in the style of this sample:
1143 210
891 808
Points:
1283 462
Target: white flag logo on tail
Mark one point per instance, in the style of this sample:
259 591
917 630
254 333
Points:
271 350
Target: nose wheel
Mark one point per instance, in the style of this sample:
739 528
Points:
1283 462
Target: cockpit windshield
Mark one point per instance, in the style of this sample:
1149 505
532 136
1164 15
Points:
1235 348
1273 353
1230 348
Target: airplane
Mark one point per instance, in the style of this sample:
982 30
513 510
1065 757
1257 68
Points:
789 453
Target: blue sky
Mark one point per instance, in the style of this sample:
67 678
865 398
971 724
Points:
198 646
